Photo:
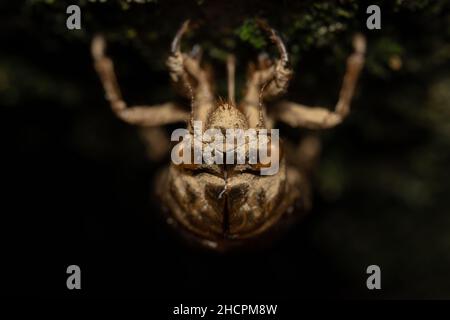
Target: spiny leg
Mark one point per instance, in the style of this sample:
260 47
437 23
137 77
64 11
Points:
282 73
185 67
139 115
260 76
298 115
272 77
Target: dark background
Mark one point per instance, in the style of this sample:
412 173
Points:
77 183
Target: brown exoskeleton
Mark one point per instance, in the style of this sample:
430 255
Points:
220 204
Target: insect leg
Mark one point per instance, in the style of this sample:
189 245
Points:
298 115
190 78
271 77
139 115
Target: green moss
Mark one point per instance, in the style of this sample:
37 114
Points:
251 33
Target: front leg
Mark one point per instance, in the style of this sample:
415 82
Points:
275 81
268 81
190 78
298 115
138 115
